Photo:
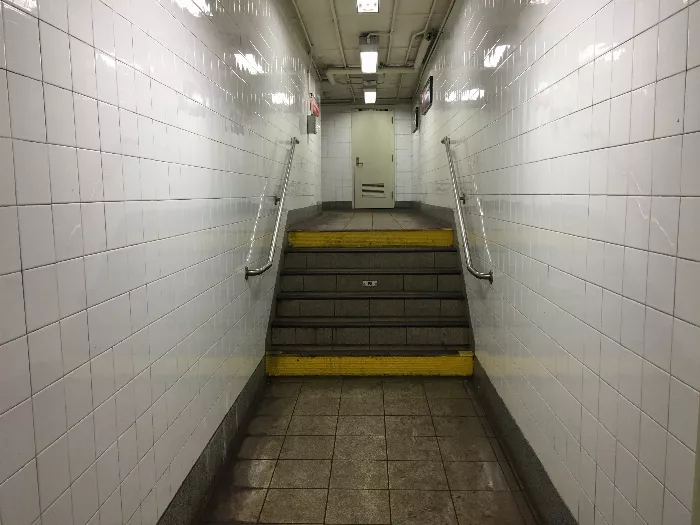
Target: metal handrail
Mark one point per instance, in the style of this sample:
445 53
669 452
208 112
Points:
463 229
278 220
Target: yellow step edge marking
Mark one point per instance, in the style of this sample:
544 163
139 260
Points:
364 239
447 365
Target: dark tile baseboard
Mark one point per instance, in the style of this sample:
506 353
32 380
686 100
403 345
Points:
194 493
547 505
337 205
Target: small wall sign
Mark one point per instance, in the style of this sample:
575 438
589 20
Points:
426 100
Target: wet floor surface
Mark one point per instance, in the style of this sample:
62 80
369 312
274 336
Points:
369 451
396 219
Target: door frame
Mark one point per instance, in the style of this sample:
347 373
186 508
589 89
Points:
359 109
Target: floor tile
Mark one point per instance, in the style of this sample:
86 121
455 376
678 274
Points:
261 447
315 406
415 448
282 389
422 507
406 406
486 508
451 407
307 447
253 473
409 426
361 387
366 405
294 506
268 425
362 474
236 505
464 427
402 388
360 447
360 426
458 449
445 389
475 475
312 426
301 474
276 406
321 388
421 475
358 507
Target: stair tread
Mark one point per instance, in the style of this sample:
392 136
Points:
367 350
379 249
370 295
371 271
345 322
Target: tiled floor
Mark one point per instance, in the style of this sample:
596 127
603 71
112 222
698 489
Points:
397 219
369 451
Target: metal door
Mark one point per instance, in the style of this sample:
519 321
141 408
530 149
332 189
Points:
373 158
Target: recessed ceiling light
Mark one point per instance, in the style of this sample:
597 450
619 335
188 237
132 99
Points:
367 6
370 95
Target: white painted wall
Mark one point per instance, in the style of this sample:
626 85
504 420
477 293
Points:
584 149
337 163
135 143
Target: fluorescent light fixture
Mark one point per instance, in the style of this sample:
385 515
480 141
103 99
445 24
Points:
367 6
370 96
369 61
369 53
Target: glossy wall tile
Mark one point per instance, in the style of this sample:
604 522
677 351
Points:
138 139
574 130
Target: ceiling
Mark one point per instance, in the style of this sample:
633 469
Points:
411 17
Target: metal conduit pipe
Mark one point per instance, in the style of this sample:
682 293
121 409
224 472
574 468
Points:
340 44
332 71
391 30
410 44
308 40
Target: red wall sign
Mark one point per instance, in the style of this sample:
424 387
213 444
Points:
314 107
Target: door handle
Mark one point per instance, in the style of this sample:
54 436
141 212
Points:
358 163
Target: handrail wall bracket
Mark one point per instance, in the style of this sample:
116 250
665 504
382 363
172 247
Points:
459 200
280 202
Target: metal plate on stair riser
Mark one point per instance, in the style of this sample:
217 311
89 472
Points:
369 284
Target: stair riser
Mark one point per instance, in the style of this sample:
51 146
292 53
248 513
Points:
372 260
412 335
385 283
371 308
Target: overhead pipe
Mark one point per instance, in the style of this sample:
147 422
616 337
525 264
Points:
340 44
437 37
308 40
332 71
391 30
410 45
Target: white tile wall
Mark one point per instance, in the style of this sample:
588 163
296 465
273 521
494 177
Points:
136 140
581 162
337 164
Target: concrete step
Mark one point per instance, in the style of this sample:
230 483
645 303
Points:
379 304
366 350
370 331
387 280
366 258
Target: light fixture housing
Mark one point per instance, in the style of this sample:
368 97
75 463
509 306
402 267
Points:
367 6
370 95
369 53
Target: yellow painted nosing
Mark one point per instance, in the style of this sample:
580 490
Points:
444 365
365 239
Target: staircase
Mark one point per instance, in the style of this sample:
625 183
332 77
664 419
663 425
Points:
404 304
